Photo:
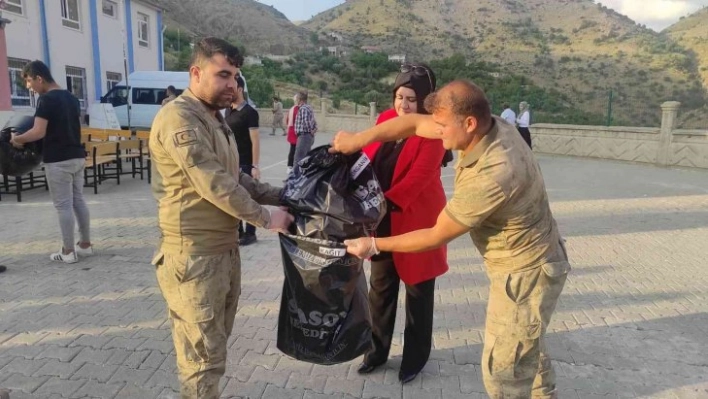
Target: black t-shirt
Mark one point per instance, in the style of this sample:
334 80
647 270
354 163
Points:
241 121
63 138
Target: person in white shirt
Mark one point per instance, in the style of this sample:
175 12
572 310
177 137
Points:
508 114
523 122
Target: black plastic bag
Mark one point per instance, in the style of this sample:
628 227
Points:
334 196
324 312
18 161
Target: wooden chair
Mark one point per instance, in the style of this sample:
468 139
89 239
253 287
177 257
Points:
100 155
120 134
18 184
144 136
99 135
131 150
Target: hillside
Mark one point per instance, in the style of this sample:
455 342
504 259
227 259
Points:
692 33
260 28
576 46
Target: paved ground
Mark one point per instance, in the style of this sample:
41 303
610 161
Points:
632 321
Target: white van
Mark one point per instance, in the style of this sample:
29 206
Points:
144 99
138 106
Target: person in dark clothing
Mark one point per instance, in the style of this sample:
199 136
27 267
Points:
57 124
243 121
409 173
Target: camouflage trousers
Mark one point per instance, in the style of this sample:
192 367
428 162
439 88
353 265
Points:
515 364
202 295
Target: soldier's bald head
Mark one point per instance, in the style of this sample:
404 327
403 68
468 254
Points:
463 99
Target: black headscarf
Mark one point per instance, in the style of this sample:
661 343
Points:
419 84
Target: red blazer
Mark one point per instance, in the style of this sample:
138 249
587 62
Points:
292 137
417 189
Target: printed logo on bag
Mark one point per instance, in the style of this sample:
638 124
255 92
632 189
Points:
320 261
293 188
299 319
338 252
359 166
370 195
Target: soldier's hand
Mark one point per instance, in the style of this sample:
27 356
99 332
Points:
346 142
256 173
280 220
362 248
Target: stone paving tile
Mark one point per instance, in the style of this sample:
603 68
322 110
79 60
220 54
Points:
632 321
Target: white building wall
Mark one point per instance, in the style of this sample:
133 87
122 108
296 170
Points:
22 34
111 35
72 47
145 58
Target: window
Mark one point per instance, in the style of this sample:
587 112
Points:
76 83
19 93
112 79
143 30
117 96
147 96
14 6
110 9
70 14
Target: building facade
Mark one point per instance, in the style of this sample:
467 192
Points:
89 45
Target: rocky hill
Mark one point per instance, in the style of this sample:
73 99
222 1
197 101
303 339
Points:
582 48
260 28
692 33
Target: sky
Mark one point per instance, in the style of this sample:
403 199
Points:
655 14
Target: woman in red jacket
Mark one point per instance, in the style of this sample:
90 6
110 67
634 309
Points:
409 173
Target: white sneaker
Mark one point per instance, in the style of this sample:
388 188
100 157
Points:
66 258
83 251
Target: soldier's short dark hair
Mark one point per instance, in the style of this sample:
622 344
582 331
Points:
463 98
171 89
37 68
210 46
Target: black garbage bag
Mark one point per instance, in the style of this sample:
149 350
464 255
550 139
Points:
18 161
335 196
324 312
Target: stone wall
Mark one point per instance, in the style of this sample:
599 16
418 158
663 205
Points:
330 123
664 146
620 143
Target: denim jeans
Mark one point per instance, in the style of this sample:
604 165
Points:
303 146
66 186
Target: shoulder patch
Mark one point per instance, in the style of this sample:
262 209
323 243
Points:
185 137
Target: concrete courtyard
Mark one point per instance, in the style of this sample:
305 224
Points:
632 321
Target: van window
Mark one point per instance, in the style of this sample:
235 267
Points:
150 96
146 96
117 96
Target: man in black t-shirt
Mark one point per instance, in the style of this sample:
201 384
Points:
243 121
57 123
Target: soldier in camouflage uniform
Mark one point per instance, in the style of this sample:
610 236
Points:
201 197
500 199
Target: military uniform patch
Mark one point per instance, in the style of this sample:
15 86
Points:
184 138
